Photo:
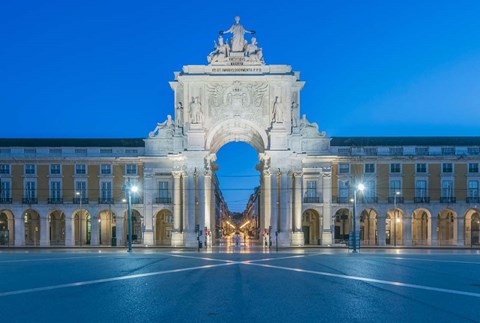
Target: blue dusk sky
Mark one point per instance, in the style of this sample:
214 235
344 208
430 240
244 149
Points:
78 69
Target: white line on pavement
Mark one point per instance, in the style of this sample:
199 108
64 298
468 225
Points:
48 259
106 280
433 260
371 280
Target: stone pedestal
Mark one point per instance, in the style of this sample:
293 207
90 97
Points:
327 238
190 239
196 137
284 239
148 238
297 239
177 239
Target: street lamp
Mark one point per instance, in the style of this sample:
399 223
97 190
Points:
397 193
360 187
130 189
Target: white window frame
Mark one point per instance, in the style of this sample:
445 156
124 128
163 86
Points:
452 169
103 189
105 167
27 191
472 192
55 192
393 189
79 166
27 168
399 168
83 191
52 169
474 172
346 165
6 189
5 169
426 168
447 190
424 190
128 171
365 168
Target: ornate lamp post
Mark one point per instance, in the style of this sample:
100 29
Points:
360 187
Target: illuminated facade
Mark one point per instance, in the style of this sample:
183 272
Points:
419 191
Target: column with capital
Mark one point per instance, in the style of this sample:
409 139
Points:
297 237
275 204
177 234
189 210
460 231
208 204
267 197
382 227
44 231
433 230
326 231
19 229
285 212
407 227
94 230
200 201
148 198
69 229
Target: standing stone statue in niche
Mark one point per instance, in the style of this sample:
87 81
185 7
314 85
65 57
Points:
238 31
196 114
179 115
277 113
295 115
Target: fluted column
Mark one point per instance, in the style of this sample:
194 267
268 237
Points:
186 194
327 235
201 199
267 197
208 198
149 189
275 203
298 202
177 200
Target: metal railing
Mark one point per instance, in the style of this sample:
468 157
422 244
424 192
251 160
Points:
342 199
473 199
83 200
105 200
29 200
422 199
391 199
55 200
311 199
163 200
5 200
448 199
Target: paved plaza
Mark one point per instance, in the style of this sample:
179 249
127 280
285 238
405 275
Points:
239 285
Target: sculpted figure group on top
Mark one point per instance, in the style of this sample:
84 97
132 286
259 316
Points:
237 44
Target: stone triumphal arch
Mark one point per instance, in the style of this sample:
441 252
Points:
238 97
